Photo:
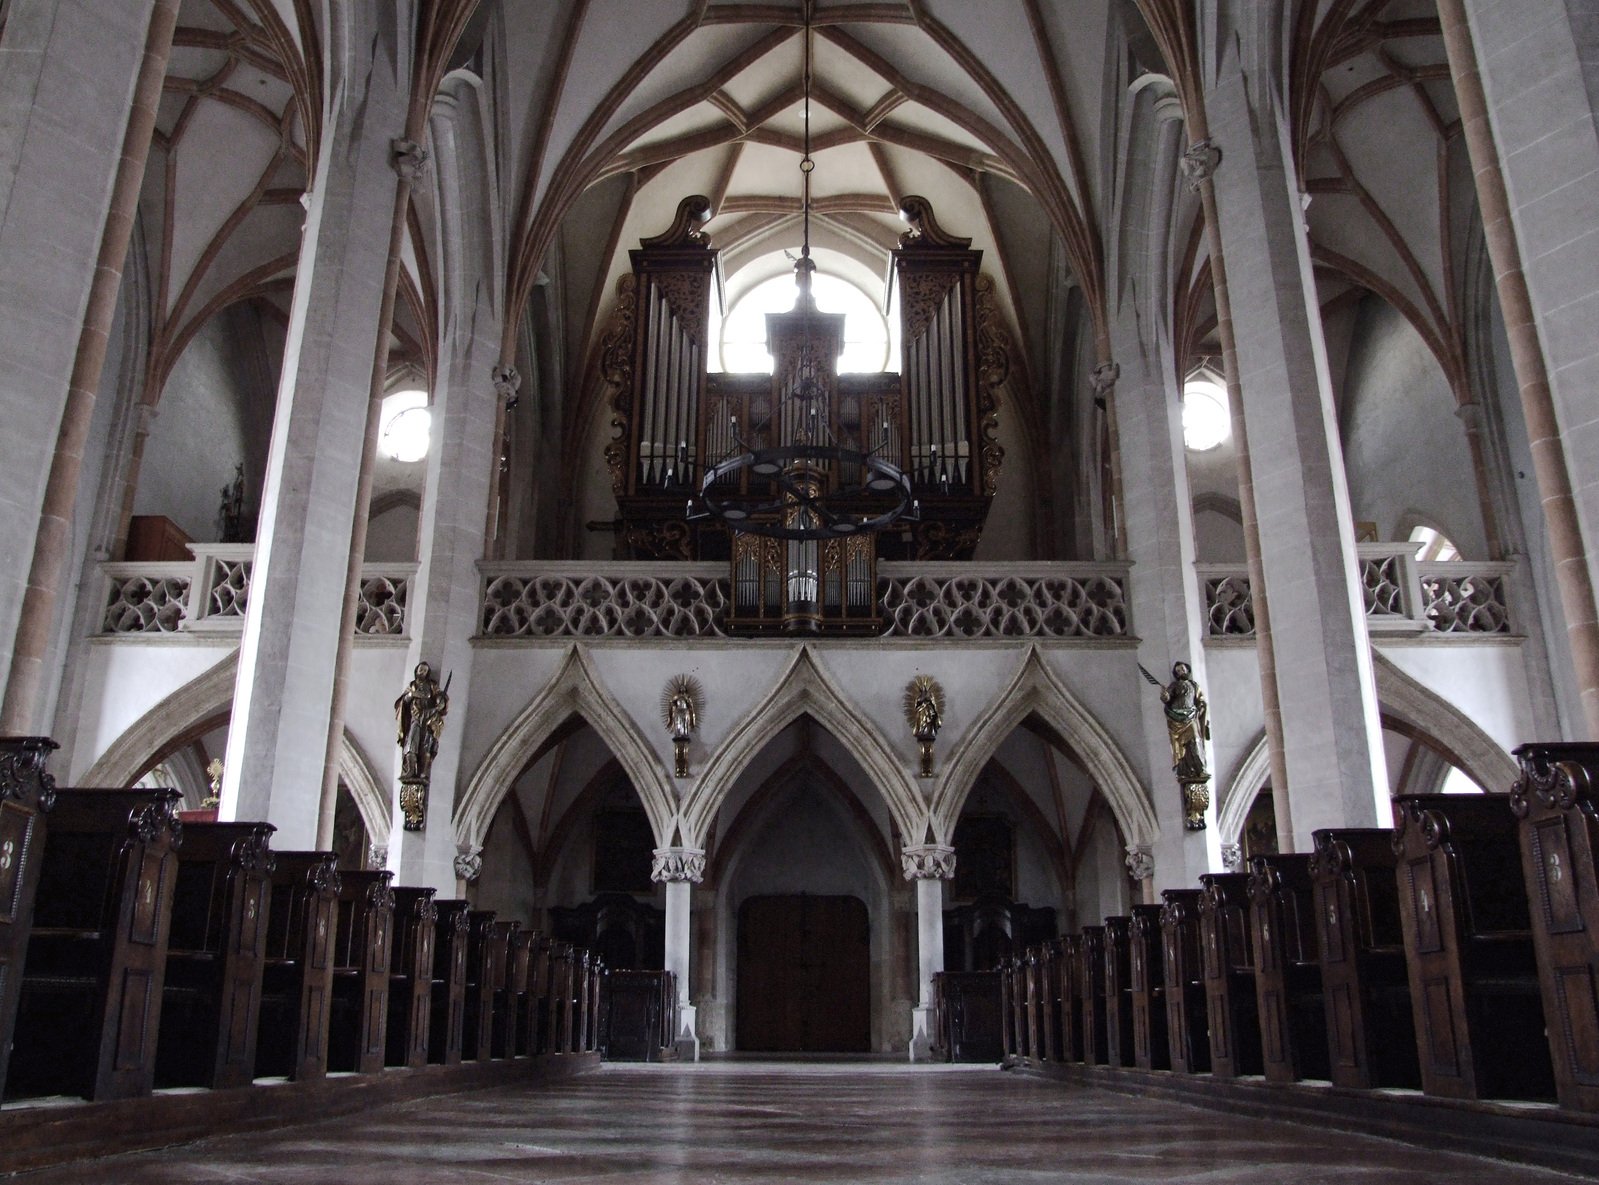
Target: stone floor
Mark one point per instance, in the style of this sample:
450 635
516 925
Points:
737 1122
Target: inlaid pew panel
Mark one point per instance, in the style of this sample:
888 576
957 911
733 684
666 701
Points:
1288 988
216 955
1469 947
1557 800
447 1025
27 792
1147 984
1188 1029
358 1026
90 1003
1091 994
411 976
1118 991
297 978
1371 1030
1227 960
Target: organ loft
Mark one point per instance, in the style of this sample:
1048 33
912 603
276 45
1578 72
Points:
668 586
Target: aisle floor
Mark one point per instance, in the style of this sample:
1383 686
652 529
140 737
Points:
732 1123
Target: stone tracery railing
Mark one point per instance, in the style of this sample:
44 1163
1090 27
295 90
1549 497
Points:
651 600
1403 595
211 593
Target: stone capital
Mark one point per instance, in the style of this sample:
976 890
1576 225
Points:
1140 861
933 861
468 861
678 864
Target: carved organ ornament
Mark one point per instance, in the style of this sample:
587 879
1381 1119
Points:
685 439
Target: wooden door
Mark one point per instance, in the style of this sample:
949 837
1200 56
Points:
804 975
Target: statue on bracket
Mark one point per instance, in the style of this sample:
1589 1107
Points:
924 712
1188 728
682 700
419 714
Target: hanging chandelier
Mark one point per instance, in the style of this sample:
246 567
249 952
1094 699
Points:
796 478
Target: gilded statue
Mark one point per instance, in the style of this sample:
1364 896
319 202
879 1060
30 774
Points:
924 712
419 715
1187 728
681 700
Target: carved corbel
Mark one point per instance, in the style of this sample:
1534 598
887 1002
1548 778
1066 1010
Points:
932 861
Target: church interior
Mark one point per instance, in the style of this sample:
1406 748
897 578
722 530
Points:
822 547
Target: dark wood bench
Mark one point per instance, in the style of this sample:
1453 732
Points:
297 978
1474 982
497 995
1227 961
1070 1019
447 1024
1557 800
1091 994
598 973
363 956
1118 990
970 1006
215 956
1293 1011
1011 1018
1049 1000
411 976
541 968
637 1026
90 1003
584 968
1371 1031
1148 990
1187 1027
27 792
1032 1006
478 1031
560 998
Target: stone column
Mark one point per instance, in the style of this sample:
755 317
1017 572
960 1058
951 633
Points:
680 869
1327 737
78 79
1525 79
284 722
1157 508
929 865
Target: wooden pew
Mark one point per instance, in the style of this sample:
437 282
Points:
635 1027
1049 1001
498 998
1468 941
1288 991
539 972
1148 990
297 979
1016 1005
1557 799
1371 1031
1007 1008
560 998
27 792
1187 1027
584 975
1032 1006
363 955
447 1024
1118 991
517 967
90 1002
1070 1019
1227 961
598 973
411 976
1091 995
973 1008
481 964
216 952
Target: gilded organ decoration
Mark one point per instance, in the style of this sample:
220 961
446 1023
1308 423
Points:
924 712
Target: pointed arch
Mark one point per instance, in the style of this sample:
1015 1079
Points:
1036 690
195 708
572 691
803 689
1251 776
1445 726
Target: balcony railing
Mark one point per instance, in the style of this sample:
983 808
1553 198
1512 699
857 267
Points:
949 600
210 593
1403 595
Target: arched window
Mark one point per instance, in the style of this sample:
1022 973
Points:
1207 422
1433 544
743 337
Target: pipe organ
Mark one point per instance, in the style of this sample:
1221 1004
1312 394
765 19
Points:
784 475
